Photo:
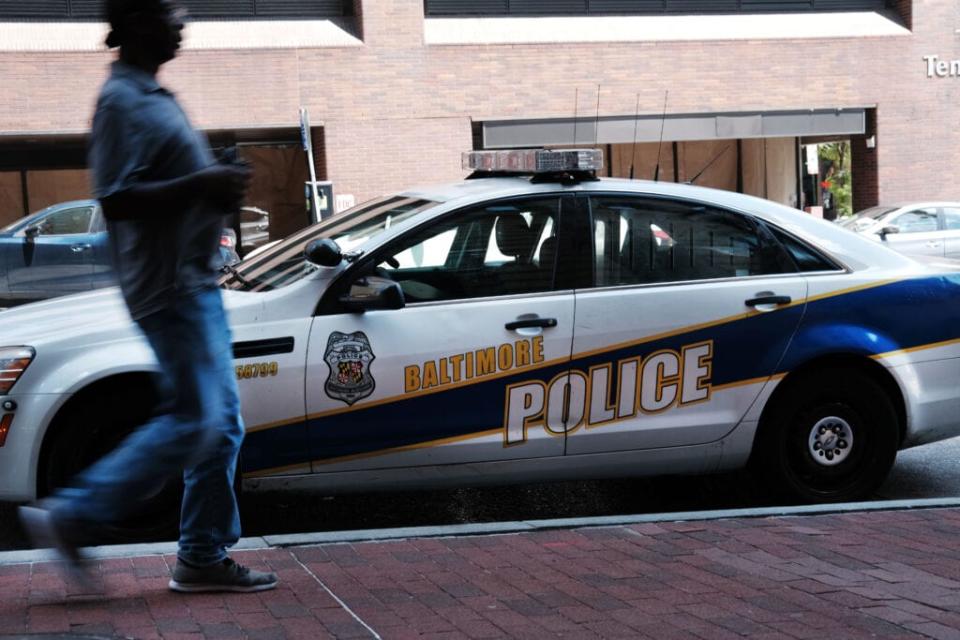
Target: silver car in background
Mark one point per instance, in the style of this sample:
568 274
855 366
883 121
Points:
919 228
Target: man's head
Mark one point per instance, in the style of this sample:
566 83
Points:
152 27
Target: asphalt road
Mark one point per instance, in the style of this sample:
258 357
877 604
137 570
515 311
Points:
931 471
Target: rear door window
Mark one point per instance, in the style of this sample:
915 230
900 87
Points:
647 240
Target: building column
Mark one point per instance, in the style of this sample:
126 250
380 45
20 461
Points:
904 9
395 23
864 166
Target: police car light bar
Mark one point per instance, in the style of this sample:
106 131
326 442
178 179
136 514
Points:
534 160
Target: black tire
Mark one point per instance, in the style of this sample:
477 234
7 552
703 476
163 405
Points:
90 429
831 436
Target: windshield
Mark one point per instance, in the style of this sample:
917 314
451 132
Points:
20 223
285 263
867 217
874 212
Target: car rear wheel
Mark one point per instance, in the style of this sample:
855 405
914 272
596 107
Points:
830 437
90 430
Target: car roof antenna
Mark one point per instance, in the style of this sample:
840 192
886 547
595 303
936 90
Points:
576 101
596 123
633 149
663 120
715 158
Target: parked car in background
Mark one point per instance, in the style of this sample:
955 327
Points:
63 249
254 228
919 228
59 250
228 247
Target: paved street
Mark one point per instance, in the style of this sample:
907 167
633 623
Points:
859 575
932 471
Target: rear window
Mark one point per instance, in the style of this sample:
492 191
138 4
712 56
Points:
807 258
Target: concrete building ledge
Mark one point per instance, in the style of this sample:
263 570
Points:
199 35
779 26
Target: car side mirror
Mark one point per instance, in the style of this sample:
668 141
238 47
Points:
373 292
887 230
324 252
32 231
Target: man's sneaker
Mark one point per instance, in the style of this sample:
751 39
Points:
47 531
223 576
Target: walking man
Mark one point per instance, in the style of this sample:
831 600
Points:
164 197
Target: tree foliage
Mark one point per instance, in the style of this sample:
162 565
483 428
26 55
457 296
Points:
837 156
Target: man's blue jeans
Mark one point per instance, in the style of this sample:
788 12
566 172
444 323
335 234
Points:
198 433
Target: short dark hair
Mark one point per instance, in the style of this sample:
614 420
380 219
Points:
116 12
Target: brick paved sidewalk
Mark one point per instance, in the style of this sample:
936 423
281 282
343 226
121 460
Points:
892 574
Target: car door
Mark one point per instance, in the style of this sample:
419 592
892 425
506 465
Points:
430 383
918 233
951 232
55 255
690 311
10 245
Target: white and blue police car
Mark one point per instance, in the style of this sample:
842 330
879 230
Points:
530 323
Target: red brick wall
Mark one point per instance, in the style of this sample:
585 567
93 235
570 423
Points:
358 17
372 157
395 95
904 9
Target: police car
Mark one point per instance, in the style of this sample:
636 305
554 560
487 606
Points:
527 324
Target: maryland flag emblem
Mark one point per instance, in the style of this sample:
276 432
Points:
349 356
350 372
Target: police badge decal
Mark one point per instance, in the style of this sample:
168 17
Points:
349 356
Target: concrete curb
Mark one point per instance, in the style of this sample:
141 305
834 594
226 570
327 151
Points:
490 528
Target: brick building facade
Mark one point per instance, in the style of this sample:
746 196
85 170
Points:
396 94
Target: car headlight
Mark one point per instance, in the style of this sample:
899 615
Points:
13 362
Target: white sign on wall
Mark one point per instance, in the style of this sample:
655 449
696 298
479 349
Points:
343 201
937 68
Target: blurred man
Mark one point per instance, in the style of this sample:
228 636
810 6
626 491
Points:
164 197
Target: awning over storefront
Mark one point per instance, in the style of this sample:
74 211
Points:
501 134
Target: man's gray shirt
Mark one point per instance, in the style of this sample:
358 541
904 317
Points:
140 134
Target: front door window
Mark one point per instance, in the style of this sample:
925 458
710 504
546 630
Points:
66 222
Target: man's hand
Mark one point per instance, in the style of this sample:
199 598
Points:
225 184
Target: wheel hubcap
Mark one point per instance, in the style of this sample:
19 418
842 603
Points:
830 441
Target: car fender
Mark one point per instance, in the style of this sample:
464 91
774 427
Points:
70 377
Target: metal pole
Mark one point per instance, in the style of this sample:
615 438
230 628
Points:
307 140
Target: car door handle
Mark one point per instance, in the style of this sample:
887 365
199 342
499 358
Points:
79 248
527 323
933 243
771 299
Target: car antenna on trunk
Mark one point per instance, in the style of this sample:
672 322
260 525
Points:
715 158
596 122
576 100
663 120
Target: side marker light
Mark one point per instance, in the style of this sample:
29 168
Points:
5 427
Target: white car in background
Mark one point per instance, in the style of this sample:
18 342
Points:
919 228
531 323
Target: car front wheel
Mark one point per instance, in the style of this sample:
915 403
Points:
89 431
830 437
